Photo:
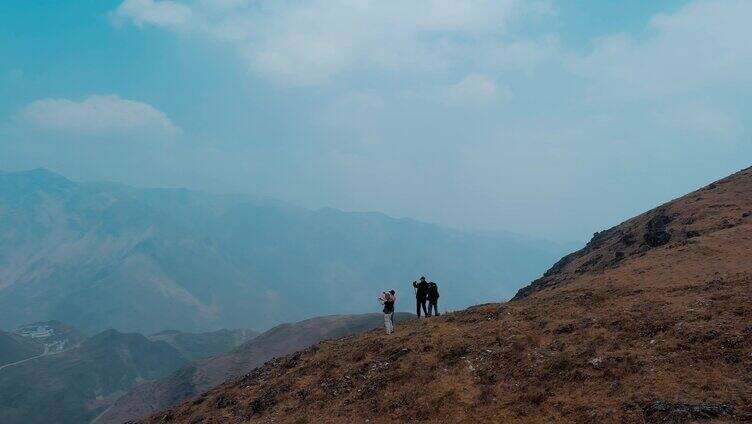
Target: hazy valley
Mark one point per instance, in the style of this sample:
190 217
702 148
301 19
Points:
101 255
52 370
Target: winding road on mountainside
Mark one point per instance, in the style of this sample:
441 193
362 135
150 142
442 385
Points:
101 414
46 352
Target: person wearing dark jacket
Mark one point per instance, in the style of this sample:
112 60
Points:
421 295
433 299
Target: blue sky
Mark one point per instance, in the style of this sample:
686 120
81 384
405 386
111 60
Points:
549 118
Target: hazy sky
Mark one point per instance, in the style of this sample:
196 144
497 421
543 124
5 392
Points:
548 118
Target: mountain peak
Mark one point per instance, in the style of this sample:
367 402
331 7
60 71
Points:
41 174
673 223
38 178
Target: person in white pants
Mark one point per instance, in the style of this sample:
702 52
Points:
387 299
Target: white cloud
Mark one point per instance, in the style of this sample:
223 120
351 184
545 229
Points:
154 12
697 119
94 115
15 74
701 45
271 295
475 89
312 42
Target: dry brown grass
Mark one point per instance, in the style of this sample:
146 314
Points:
657 334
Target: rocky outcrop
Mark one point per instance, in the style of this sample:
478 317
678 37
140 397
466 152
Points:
667 226
667 412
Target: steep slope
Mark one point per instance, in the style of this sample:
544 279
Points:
15 348
203 375
659 333
715 207
195 346
77 384
100 256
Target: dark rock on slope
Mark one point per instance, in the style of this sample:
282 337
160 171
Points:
670 223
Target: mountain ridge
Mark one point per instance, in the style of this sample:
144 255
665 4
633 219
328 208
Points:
202 375
76 378
661 334
194 346
75 385
105 255
633 237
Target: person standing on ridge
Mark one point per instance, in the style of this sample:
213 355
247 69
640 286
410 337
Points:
387 299
433 298
421 295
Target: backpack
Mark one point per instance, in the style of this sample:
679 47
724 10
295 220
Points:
433 291
388 306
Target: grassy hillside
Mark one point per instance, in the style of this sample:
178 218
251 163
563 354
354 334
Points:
15 348
77 384
652 322
203 375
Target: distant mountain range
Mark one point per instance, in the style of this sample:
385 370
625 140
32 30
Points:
36 339
49 369
105 255
200 376
74 385
203 345
82 382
